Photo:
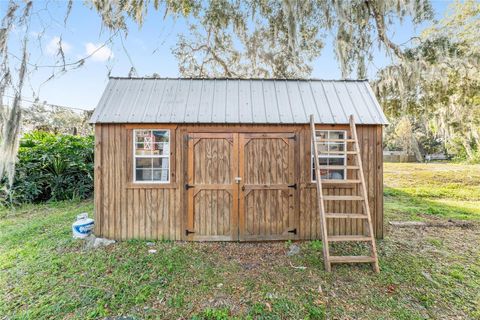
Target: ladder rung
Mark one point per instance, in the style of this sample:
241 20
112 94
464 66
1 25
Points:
335 140
339 153
348 238
339 167
351 259
335 181
346 216
343 198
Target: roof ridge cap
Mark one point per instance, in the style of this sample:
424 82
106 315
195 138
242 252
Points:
238 79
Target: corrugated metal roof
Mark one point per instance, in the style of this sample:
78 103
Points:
260 101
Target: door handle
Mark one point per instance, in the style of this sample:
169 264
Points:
237 180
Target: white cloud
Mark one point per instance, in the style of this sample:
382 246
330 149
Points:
99 53
54 44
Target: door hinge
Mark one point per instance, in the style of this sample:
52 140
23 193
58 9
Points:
294 231
188 186
187 137
294 137
294 186
188 232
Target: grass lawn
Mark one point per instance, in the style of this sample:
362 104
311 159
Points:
426 273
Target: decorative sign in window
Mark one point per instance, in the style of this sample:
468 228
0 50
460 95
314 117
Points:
331 154
151 156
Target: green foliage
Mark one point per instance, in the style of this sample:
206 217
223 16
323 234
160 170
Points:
437 87
316 245
51 167
213 314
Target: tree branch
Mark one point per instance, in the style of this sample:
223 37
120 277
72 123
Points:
381 29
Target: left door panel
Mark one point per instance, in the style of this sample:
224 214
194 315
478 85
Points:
212 191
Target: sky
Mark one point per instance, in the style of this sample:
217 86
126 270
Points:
147 48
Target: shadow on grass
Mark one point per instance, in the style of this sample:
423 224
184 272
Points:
401 204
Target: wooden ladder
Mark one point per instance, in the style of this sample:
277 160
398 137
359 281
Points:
363 197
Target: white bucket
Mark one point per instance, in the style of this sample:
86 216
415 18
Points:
83 227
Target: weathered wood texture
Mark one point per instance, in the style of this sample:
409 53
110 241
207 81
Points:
212 209
267 168
260 207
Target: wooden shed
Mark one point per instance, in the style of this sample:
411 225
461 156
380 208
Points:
229 159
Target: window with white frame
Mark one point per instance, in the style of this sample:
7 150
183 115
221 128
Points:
331 154
151 152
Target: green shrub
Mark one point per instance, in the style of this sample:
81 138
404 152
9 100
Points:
52 167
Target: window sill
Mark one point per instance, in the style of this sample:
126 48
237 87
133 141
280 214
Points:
139 185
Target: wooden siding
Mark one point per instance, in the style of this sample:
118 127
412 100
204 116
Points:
124 210
127 210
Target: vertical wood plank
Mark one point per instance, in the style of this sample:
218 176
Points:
148 214
130 213
379 192
98 177
141 214
171 214
136 213
111 184
123 184
155 207
166 213
118 130
161 215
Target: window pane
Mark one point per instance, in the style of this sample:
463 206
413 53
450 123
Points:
152 142
160 175
335 174
161 148
336 161
322 147
144 148
324 173
322 161
145 152
160 136
321 134
143 163
160 163
337 135
141 134
143 174
336 147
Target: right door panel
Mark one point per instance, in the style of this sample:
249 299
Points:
267 190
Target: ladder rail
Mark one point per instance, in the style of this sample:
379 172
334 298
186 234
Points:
320 203
356 146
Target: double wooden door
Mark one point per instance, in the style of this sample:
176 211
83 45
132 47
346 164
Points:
241 186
